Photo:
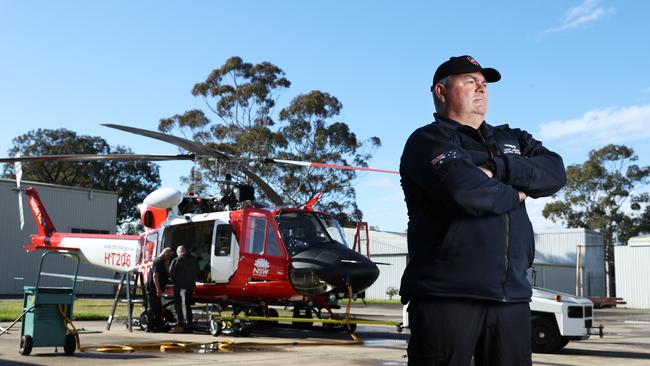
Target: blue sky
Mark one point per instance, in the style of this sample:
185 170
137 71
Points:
574 72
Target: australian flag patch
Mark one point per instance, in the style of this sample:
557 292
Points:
443 158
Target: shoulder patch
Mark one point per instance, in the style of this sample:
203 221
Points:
444 158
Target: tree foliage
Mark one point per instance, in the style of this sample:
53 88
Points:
605 193
131 180
243 97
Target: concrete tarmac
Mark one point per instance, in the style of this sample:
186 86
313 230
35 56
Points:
626 342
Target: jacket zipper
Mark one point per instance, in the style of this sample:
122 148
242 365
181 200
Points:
505 269
507 241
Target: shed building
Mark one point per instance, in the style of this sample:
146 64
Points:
571 261
556 254
71 209
391 250
633 272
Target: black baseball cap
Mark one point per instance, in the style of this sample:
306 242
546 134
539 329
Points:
464 65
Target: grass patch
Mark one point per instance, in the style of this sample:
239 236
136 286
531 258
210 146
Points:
10 310
84 309
100 309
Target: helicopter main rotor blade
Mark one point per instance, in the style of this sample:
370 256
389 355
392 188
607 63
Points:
94 157
202 150
186 144
323 165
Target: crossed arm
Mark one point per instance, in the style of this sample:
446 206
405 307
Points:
446 171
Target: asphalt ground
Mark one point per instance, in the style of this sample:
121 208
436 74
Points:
626 342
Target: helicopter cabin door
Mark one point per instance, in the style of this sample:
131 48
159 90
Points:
263 255
225 253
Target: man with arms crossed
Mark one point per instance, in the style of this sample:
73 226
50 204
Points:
470 240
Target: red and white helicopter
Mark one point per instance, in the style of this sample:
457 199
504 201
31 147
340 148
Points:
251 254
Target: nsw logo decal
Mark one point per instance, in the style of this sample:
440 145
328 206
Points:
261 267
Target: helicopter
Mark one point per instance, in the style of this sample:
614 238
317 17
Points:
252 254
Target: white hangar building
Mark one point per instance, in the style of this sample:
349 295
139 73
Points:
633 272
556 255
71 209
571 261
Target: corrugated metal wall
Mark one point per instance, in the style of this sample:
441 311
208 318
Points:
555 277
68 208
390 275
555 260
385 247
633 275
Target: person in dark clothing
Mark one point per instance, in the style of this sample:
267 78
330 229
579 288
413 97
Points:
184 271
157 279
470 240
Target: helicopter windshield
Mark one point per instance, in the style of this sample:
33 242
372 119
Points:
333 228
300 230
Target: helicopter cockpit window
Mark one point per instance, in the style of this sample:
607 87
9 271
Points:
140 251
197 239
333 228
256 234
301 230
150 246
272 247
222 243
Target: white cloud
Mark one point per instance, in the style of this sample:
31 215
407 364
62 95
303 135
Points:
588 11
601 126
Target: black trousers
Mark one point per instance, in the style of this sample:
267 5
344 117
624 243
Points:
183 306
155 311
451 331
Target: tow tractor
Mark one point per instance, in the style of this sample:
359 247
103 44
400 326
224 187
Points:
556 319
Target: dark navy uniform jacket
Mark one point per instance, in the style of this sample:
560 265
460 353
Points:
184 271
468 235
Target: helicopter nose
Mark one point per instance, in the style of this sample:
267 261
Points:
331 267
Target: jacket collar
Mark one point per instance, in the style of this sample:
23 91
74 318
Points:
485 128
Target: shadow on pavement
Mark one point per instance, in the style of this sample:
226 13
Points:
598 353
14 363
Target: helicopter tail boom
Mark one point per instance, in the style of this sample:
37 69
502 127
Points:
43 221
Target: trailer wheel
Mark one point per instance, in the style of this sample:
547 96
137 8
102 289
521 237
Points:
546 337
169 316
26 343
350 328
271 313
303 312
144 320
215 327
70 344
565 341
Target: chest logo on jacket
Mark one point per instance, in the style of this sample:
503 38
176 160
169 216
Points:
510 149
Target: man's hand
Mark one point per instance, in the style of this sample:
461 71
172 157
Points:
522 196
159 293
485 170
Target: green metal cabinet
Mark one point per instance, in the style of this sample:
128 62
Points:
43 323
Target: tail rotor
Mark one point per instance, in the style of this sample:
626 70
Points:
19 176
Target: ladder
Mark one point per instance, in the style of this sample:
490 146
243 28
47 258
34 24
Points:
129 296
361 236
